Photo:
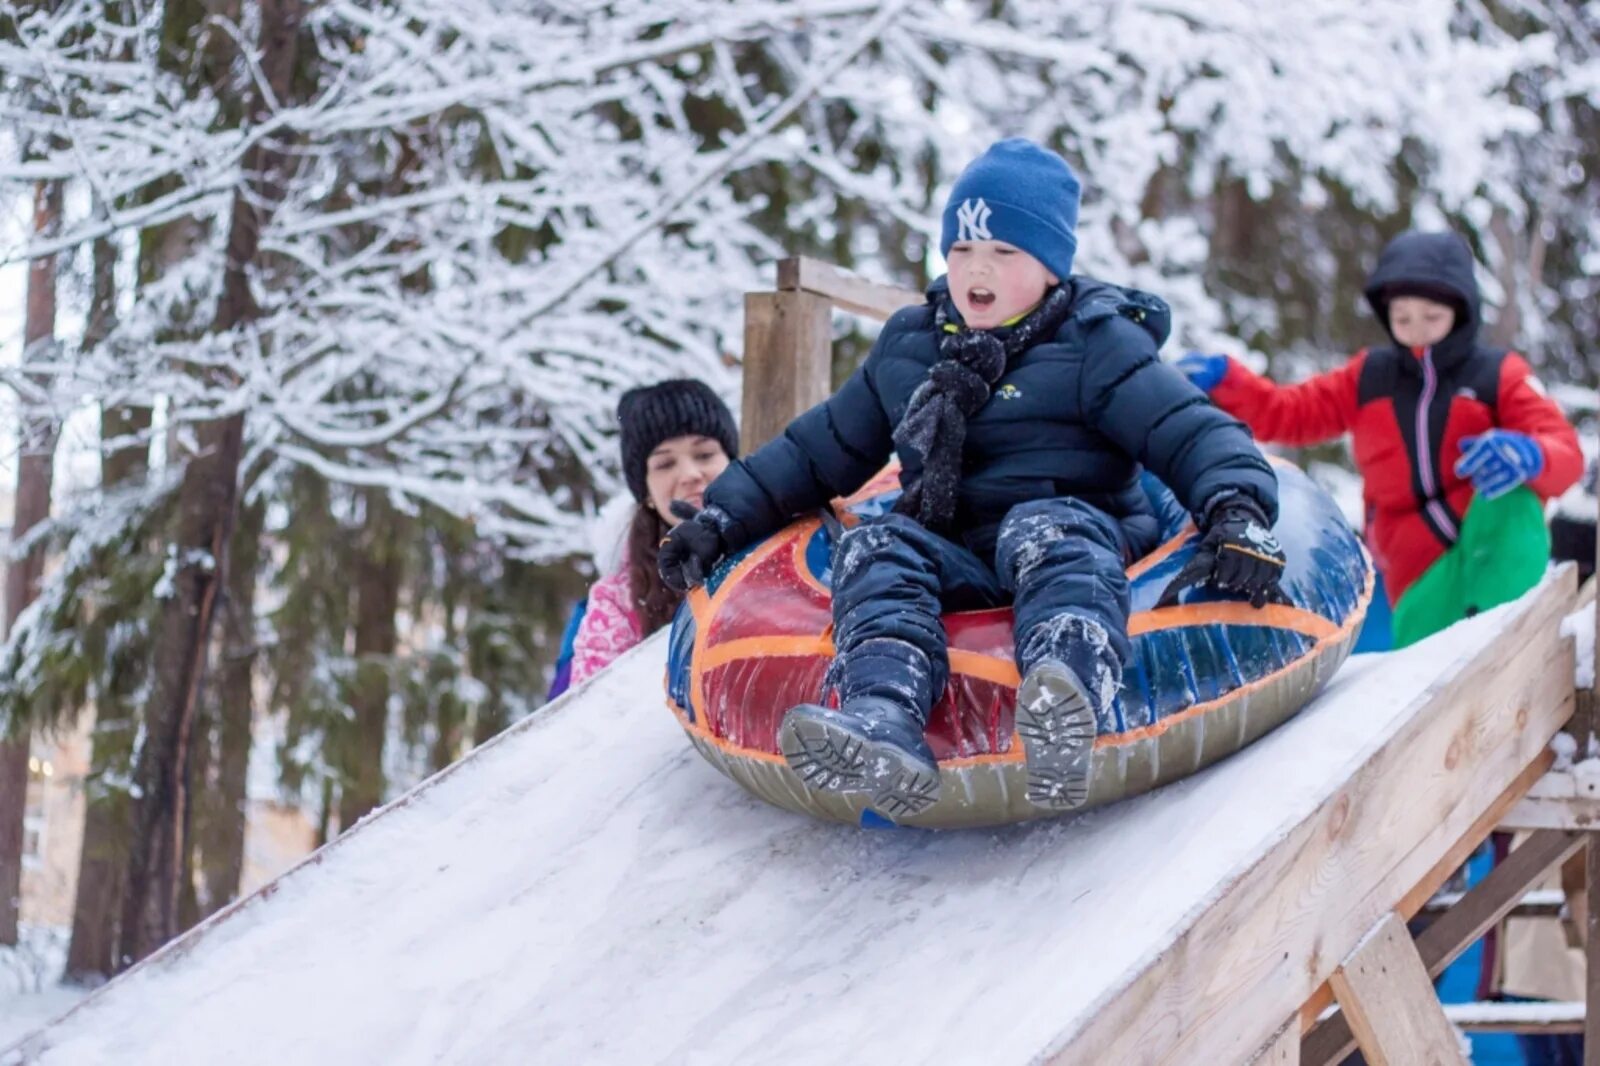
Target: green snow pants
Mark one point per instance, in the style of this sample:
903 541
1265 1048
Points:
1502 552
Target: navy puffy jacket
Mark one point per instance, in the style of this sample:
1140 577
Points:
1074 416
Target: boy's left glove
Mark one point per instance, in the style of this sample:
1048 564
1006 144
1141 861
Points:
1237 554
1499 460
692 547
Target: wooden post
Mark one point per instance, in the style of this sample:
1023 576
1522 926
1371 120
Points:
1591 957
1385 992
788 357
1591 923
1593 694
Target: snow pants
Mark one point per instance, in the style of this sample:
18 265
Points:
1060 562
1502 552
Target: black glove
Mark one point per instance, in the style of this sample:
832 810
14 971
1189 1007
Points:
692 547
1237 554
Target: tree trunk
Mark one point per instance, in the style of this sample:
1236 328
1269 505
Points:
222 835
207 500
91 953
35 462
1502 333
379 572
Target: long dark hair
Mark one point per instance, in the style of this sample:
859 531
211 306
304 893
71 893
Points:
655 602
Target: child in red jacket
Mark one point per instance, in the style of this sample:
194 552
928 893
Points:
1458 445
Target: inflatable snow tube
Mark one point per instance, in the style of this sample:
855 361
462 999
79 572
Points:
1207 677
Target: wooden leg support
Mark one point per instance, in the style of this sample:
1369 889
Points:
1591 957
1384 991
1460 927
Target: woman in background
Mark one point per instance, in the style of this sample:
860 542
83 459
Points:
676 437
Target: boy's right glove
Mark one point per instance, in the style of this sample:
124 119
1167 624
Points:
1237 554
1498 460
1205 370
692 547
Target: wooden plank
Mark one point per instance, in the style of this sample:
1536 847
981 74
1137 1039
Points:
1493 817
1257 952
1574 879
788 361
1284 1049
1562 799
1384 991
847 291
1591 1025
1539 903
1443 942
1549 1019
1591 923
1425 889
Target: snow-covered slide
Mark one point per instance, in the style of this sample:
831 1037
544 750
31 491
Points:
587 889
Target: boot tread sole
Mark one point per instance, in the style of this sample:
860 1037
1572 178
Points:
1056 725
832 758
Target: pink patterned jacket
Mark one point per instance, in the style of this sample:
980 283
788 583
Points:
610 626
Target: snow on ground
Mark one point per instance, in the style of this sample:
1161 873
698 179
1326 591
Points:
1579 625
29 993
1521 1013
587 889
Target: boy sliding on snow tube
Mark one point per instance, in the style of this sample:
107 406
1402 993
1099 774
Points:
1021 401
1457 445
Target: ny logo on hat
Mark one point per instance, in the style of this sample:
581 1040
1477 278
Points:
972 218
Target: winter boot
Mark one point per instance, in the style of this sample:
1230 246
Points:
871 745
1056 722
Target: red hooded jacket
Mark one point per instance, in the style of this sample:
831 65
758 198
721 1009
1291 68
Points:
1408 410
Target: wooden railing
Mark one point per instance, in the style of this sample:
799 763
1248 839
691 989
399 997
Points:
788 340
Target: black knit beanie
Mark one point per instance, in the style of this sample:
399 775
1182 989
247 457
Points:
651 414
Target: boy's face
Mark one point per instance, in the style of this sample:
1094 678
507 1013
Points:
993 282
1418 322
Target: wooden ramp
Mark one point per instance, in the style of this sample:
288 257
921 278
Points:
585 889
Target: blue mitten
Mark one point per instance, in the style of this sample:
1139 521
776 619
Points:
1206 371
1499 460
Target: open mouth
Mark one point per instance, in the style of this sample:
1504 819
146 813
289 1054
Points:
980 298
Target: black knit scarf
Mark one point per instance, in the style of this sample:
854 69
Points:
935 422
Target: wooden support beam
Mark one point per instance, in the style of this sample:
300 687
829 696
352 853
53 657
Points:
1443 942
1450 935
1591 956
1384 991
788 361
845 290
1544 1018
1253 954
1561 799
1539 903
1425 889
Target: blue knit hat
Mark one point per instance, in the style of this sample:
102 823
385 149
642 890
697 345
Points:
1020 193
